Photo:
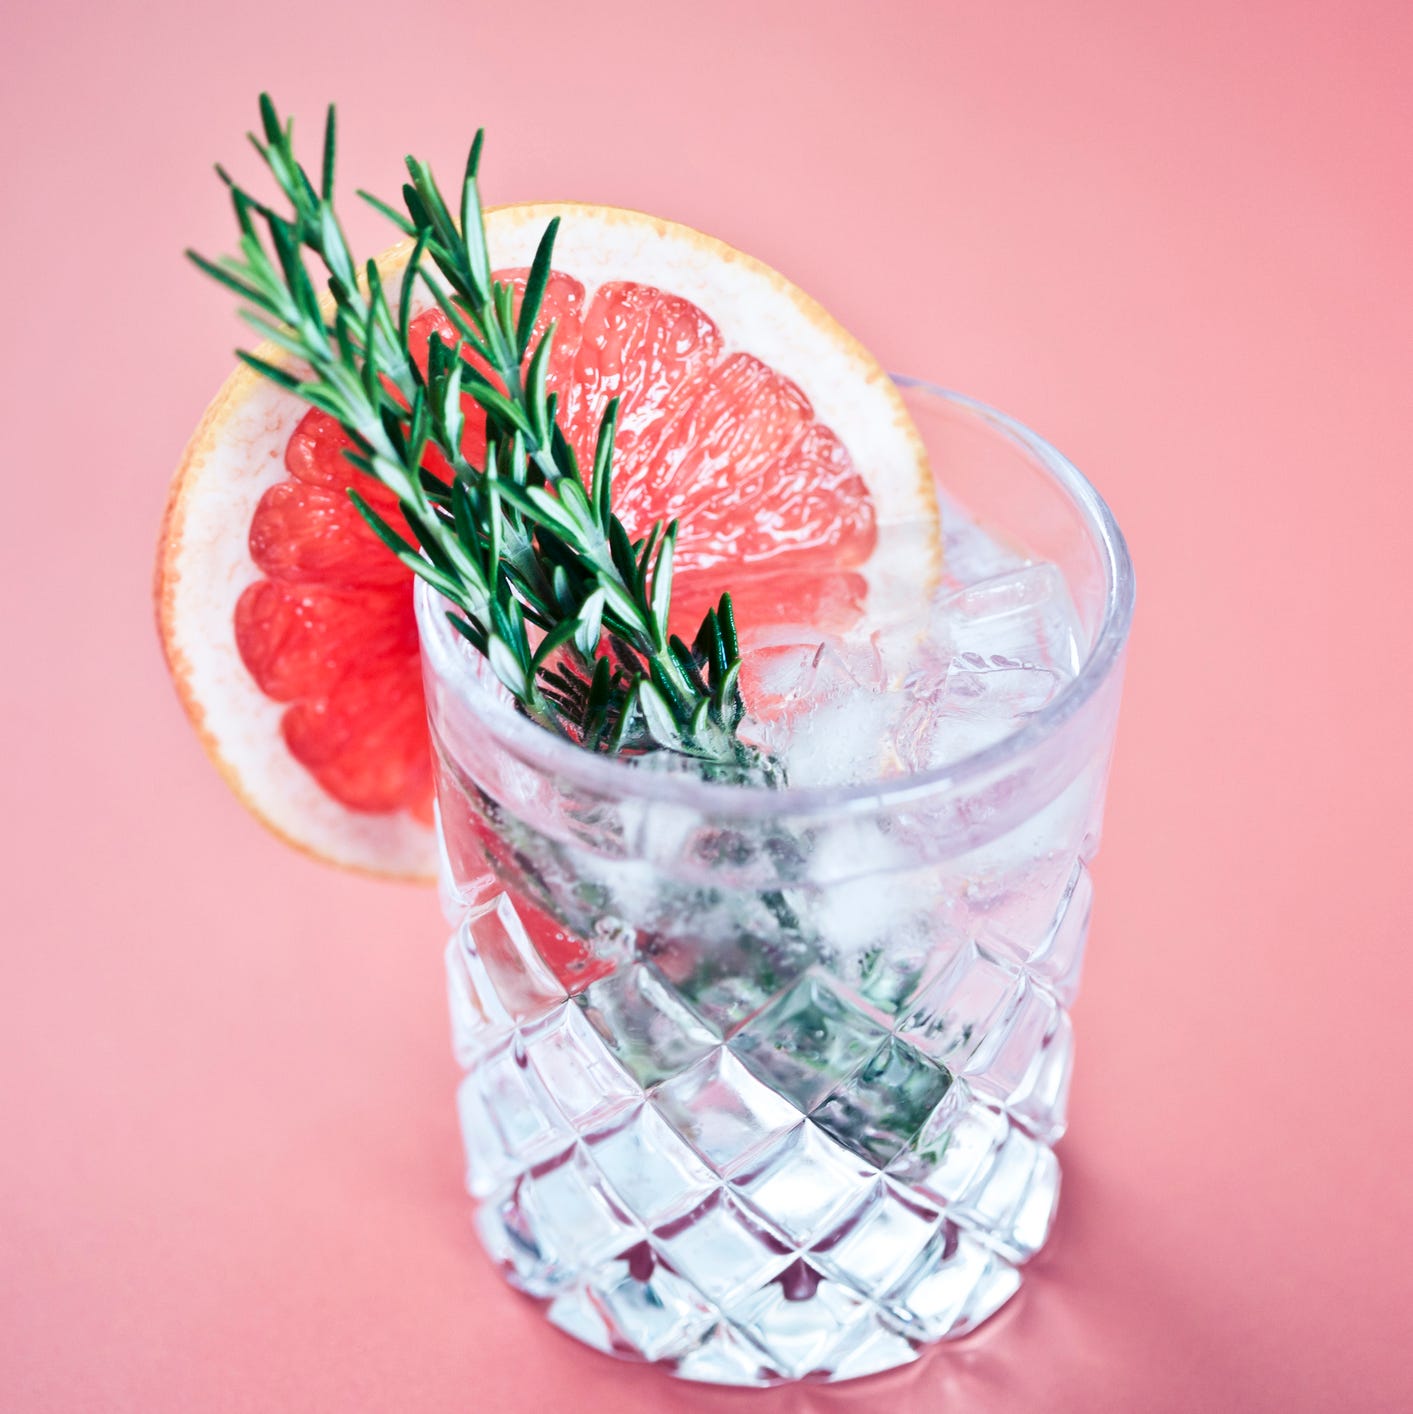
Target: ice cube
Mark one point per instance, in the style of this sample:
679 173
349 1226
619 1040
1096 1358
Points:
819 702
861 896
1022 618
787 667
845 741
1000 650
963 672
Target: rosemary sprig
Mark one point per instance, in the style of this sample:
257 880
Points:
543 577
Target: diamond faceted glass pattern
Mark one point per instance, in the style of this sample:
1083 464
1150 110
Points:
1003 1031
1004 1066
488 1164
723 1111
880 1240
727 981
641 1019
922 1154
508 1234
654 1172
477 1018
576 1313
887 978
649 1308
807 1041
800 1319
887 1103
726 1357
954 1016
973 1141
575 1220
997 1182
721 1248
871 1348
1060 959
507 1122
1040 1102
576 1068
1008 1048
805 1183
523 983
998 1284
954 1285
719 1204
1018 924
1012 1205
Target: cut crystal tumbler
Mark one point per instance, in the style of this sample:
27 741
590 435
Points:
764 1084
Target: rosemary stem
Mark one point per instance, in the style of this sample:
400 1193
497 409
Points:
545 580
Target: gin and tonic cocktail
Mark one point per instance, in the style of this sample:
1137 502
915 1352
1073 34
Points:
764 1083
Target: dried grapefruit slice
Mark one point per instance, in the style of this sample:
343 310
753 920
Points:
746 411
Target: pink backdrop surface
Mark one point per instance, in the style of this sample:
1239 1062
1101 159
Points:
1176 240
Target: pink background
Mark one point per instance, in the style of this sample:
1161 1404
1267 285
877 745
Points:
1173 238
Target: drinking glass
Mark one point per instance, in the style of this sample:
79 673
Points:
706 1133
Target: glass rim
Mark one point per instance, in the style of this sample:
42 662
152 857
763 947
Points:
543 750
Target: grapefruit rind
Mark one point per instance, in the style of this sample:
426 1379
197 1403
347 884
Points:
237 453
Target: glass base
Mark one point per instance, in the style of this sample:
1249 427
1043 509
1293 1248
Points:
800 1323
744 1205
